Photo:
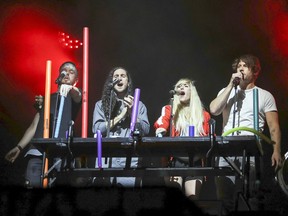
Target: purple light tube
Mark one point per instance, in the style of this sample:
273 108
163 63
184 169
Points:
99 148
135 109
191 131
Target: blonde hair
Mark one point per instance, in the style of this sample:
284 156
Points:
188 115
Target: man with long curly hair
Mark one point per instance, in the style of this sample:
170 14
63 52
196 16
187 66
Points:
116 119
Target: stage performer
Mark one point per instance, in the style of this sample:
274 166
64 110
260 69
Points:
235 103
33 158
119 89
187 110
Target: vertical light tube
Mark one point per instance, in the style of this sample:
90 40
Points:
46 116
99 148
191 131
47 100
85 82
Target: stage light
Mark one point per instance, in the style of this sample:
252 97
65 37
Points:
68 41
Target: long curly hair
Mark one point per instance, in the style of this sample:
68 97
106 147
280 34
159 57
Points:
107 91
192 114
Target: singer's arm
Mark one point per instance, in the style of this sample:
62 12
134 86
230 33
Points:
117 118
72 90
219 103
99 120
142 119
12 155
76 94
163 122
275 133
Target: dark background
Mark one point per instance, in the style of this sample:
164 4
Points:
158 42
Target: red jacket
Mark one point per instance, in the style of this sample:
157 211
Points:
164 121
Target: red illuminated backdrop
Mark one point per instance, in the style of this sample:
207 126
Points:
29 37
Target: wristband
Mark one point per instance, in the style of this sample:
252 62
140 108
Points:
19 147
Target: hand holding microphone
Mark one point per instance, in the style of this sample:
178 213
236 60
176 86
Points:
237 78
236 81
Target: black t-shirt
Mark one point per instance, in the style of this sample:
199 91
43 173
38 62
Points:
70 111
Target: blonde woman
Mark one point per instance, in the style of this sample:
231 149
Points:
187 110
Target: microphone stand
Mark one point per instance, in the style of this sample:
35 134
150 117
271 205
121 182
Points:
235 97
109 113
170 159
210 153
108 125
171 114
69 142
56 161
110 105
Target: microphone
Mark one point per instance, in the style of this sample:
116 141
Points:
60 77
160 134
116 81
70 129
212 124
173 92
236 81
